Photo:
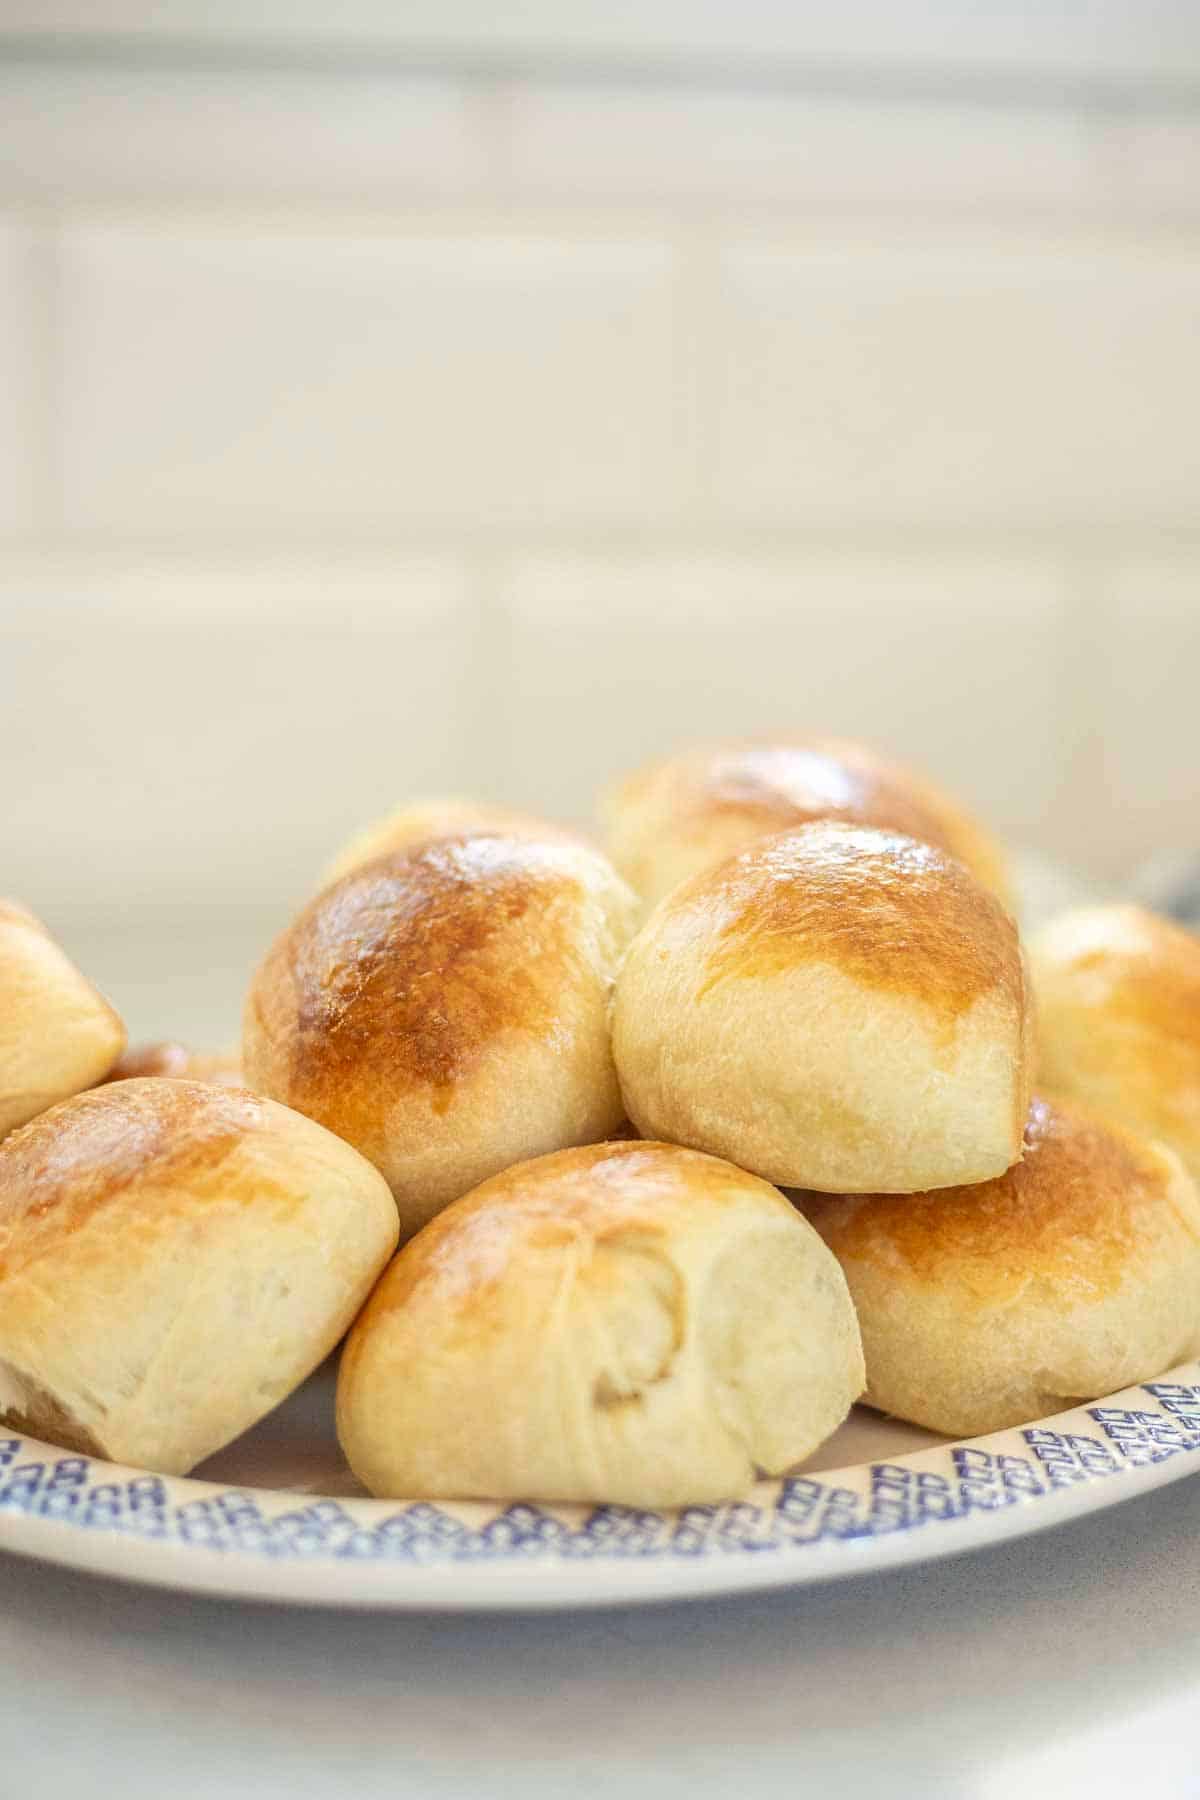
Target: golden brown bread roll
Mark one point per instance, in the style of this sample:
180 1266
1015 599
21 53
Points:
835 1008
689 812
1073 1275
1118 993
430 821
445 1010
175 1062
174 1259
57 1034
631 1323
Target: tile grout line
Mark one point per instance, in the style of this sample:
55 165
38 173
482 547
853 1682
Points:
500 207
759 540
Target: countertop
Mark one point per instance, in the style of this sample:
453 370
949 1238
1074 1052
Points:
1065 1664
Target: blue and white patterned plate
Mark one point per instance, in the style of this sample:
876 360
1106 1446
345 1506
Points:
280 1520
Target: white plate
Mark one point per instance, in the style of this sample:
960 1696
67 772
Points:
277 1516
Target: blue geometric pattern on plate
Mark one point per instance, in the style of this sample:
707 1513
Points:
889 1498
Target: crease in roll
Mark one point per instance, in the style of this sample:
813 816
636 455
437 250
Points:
626 1323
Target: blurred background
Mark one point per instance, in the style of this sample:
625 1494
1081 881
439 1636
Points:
441 396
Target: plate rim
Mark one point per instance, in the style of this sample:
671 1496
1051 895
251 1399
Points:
1091 1456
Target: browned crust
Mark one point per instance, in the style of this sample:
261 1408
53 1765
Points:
419 827
404 971
892 913
1150 970
169 1060
1072 1212
175 1062
70 1163
782 782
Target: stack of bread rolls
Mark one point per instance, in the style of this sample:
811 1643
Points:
686 1147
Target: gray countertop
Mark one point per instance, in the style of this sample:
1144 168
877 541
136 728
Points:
1065 1664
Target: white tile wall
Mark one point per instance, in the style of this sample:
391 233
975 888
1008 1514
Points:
19 380
956 662
1149 679
208 732
1014 384
232 136
1125 39
365 431
224 380
822 153
1155 167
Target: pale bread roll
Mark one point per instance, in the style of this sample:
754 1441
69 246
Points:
175 1062
57 1034
630 1323
673 818
1075 1274
836 1008
175 1258
445 1010
428 822
1118 992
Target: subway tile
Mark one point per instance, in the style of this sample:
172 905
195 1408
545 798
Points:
235 379
207 735
235 136
19 393
923 155
1041 383
955 662
1148 680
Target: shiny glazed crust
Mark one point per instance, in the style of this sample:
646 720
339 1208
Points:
674 818
445 1010
423 822
836 1008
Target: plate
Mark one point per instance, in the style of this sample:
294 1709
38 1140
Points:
278 1516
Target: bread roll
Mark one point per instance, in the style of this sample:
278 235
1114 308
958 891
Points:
175 1062
1073 1275
445 1010
670 820
630 1323
57 1034
430 821
835 1008
174 1259
1118 993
